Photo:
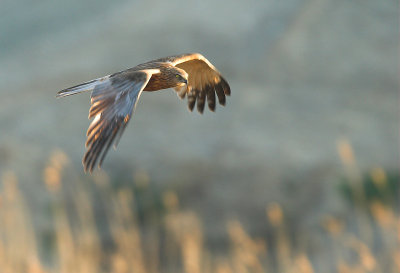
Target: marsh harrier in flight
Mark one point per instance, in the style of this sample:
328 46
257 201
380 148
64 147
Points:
114 97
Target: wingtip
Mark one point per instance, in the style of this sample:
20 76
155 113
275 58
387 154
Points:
88 169
85 167
225 87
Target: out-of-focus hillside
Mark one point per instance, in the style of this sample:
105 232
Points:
306 77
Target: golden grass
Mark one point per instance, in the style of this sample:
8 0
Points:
177 244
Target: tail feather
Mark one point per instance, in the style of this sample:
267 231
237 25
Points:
87 86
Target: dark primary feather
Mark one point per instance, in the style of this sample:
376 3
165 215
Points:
205 82
201 99
192 94
210 97
221 89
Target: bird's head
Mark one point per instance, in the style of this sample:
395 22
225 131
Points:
179 76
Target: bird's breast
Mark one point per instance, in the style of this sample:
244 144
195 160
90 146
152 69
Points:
158 82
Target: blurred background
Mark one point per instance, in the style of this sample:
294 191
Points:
298 173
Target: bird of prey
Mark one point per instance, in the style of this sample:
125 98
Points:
114 97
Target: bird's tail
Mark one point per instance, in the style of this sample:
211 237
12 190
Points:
87 86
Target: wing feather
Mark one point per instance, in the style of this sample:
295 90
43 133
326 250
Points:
210 97
113 103
204 81
201 100
191 98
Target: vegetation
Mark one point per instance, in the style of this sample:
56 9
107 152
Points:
99 227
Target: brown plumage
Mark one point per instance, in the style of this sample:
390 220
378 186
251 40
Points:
115 96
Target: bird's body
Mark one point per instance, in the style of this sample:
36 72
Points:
114 97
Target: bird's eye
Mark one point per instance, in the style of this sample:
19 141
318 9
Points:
178 76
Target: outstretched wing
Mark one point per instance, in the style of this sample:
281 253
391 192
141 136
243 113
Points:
113 101
204 81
